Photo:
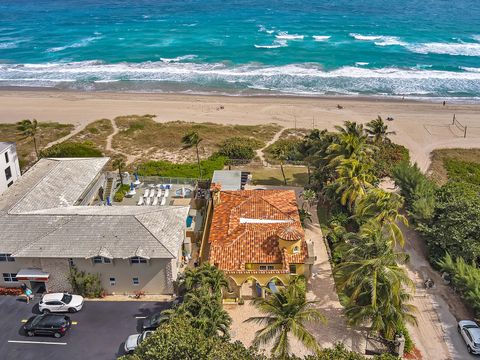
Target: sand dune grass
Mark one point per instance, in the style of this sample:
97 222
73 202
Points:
46 133
438 171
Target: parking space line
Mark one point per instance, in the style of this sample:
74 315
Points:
140 317
24 320
36 342
74 322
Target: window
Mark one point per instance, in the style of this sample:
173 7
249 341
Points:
293 269
267 267
296 250
101 260
113 282
7 257
135 281
8 173
6 157
10 277
10 184
137 260
70 262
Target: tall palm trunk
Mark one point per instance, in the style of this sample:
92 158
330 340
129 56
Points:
35 145
120 174
198 161
283 174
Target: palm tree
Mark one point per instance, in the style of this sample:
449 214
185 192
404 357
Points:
212 319
213 277
119 164
280 153
378 130
285 312
351 142
190 140
309 196
354 178
383 207
374 282
29 128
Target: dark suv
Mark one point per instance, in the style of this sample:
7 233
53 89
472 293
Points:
47 324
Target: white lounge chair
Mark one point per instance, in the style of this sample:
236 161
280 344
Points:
155 201
152 193
167 193
147 201
159 193
164 201
140 201
147 192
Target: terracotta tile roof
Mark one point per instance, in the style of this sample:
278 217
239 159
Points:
245 228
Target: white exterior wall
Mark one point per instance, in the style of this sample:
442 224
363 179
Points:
12 163
155 276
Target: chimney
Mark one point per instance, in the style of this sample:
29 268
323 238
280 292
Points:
215 189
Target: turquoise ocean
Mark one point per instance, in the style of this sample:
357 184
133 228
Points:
412 48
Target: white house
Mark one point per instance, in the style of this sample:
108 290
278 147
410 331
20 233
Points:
9 167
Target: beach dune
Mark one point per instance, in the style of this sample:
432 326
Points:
420 126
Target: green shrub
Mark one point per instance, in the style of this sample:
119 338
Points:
120 193
454 227
290 147
463 171
85 284
188 170
72 149
239 148
466 279
388 156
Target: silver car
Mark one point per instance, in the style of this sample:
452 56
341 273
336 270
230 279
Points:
470 332
134 340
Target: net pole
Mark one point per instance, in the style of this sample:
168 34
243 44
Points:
465 132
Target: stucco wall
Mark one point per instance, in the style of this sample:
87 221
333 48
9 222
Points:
155 277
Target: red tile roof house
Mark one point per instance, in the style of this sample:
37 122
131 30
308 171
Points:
257 239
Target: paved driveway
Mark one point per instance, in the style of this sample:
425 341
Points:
99 333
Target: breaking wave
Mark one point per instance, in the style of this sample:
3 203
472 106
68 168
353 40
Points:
292 79
81 43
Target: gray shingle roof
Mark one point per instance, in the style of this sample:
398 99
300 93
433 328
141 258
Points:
228 179
38 219
4 146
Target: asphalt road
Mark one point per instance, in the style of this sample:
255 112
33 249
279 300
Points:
99 333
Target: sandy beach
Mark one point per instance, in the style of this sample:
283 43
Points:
420 126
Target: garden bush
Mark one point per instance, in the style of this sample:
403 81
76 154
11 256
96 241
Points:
120 193
466 279
72 149
188 170
85 284
239 148
387 157
454 227
10 291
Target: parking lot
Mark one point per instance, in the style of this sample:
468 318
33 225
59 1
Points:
98 331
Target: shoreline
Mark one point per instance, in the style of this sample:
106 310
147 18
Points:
254 94
420 126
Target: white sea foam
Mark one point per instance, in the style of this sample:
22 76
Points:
262 28
476 37
283 35
294 78
470 69
81 43
361 63
8 45
321 37
457 49
380 40
275 45
178 58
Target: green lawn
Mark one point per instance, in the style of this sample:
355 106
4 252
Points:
296 175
